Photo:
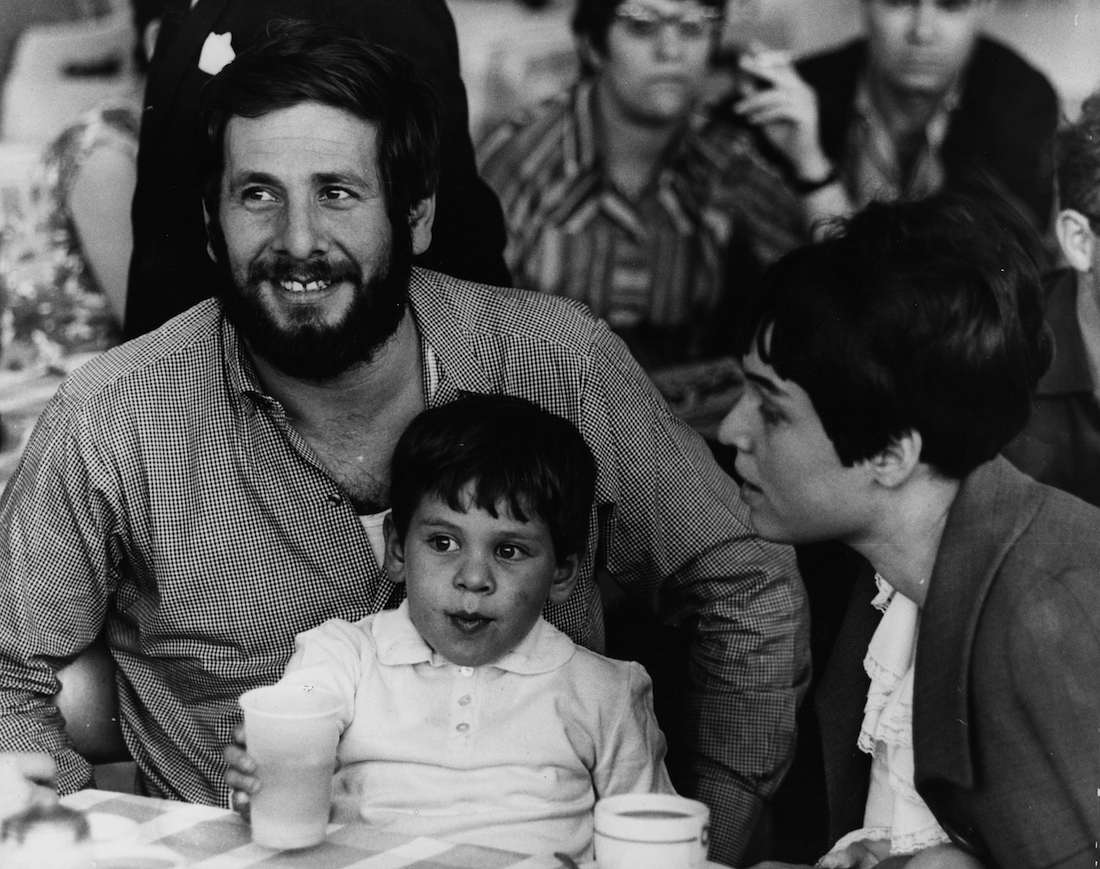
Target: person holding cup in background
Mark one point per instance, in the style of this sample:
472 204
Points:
464 715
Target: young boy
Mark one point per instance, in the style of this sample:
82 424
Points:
466 715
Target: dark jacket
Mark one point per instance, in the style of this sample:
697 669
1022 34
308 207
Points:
1006 694
1000 133
170 270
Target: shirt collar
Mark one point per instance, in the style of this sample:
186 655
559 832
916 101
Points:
1069 370
543 650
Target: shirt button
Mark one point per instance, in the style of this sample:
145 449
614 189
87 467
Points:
463 727
466 671
464 700
334 499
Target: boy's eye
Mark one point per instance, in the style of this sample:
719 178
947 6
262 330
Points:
442 543
509 551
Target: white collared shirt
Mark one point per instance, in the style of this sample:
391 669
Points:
511 754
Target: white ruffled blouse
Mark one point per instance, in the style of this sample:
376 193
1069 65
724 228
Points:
894 809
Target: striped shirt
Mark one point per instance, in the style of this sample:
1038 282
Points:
657 260
166 499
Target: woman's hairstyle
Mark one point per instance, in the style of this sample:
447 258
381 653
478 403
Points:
497 451
920 316
299 62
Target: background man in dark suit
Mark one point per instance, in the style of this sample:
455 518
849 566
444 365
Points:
170 270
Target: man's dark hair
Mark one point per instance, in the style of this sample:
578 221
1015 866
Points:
1078 162
592 19
301 61
920 316
511 452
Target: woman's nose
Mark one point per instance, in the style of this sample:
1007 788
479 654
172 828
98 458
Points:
734 430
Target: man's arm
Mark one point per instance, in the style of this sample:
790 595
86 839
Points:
680 531
53 592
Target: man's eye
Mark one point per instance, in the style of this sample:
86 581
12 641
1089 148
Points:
442 543
257 194
335 194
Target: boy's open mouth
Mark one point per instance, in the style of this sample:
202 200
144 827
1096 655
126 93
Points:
469 623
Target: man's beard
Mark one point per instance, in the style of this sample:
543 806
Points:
308 349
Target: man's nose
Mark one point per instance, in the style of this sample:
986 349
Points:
669 44
302 233
922 25
734 430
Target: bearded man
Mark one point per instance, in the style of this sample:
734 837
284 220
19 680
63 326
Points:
207 491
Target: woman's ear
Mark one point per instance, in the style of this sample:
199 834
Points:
565 577
1076 239
395 551
895 464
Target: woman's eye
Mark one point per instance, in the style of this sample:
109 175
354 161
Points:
442 543
769 415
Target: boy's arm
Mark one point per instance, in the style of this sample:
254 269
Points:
630 750
330 657
679 531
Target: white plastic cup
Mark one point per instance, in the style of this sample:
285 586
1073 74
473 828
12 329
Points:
651 831
291 732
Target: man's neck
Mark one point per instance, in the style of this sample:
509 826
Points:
903 544
631 149
364 391
1088 317
906 113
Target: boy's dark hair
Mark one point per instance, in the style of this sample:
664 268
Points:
1078 163
920 316
511 452
592 19
302 61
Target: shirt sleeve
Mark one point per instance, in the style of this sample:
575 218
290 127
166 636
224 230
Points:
330 657
59 547
678 533
630 757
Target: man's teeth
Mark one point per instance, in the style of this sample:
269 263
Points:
299 287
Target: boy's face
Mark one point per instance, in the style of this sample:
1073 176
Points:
795 486
476 584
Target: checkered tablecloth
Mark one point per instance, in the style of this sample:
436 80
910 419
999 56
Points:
210 838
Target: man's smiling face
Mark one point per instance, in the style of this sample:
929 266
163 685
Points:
318 274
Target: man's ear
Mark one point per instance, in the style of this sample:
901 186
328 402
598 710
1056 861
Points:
565 577
421 219
395 551
895 464
206 221
1076 239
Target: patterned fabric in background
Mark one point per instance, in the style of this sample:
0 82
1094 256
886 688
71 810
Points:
52 305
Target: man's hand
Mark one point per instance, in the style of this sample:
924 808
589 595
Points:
26 779
240 773
784 107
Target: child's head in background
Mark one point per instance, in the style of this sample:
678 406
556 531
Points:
491 497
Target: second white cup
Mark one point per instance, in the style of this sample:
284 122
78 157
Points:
651 831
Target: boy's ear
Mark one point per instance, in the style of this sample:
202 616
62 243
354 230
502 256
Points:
1076 239
395 551
565 577
895 464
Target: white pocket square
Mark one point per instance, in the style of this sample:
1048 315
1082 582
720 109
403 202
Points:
217 51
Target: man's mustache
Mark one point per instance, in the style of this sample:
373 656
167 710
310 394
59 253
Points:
276 269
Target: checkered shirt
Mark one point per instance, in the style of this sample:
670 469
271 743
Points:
166 499
657 257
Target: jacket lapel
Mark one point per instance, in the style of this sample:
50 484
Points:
993 507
